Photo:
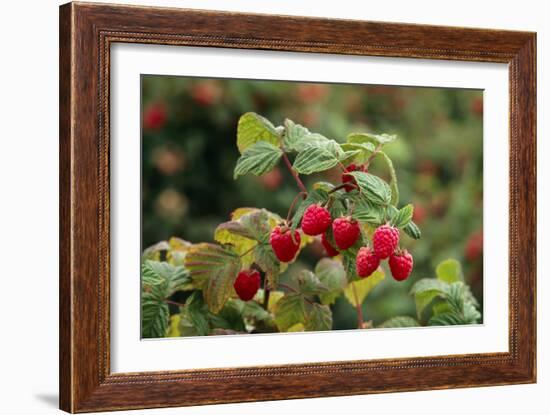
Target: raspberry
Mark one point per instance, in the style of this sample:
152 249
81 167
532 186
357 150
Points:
316 220
366 262
346 231
350 179
247 284
281 241
328 247
385 240
401 265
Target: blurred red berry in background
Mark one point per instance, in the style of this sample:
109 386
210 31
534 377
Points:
477 106
271 180
311 92
310 118
206 93
155 116
474 246
426 166
419 213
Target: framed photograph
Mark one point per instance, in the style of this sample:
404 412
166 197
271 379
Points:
294 207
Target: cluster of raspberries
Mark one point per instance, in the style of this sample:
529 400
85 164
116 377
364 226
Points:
346 231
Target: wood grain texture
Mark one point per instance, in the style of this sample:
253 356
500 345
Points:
86 33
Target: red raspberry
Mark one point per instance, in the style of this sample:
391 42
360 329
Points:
346 231
281 241
385 240
366 262
316 220
247 284
346 178
401 265
328 247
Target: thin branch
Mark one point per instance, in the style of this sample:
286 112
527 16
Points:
341 186
294 173
304 195
174 303
266 292
248 251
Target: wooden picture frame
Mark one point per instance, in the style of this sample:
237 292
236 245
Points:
86 33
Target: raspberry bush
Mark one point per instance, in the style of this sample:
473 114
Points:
233 285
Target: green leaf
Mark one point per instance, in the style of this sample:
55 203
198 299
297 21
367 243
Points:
470 314
326 186
217 267
455 296
368 212
249 227
449 271
309 283
197 313
403 216
314 196
154 251
373 187
229 317
363 150
348 260
362 138
462 309
399 321
333 275
253 310
319 156
393 179
357 291
257 159
177 250
154 316
254 225
152 273
319 318
163 278
290 310
445 319
375 139
425 291
253 128
412 230
297 137
268 262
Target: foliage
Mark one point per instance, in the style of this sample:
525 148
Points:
206 272
441 301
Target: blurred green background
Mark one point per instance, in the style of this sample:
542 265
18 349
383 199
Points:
189 152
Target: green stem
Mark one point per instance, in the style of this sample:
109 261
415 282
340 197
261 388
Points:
358 307
373 155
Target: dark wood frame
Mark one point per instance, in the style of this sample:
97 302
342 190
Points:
86 33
